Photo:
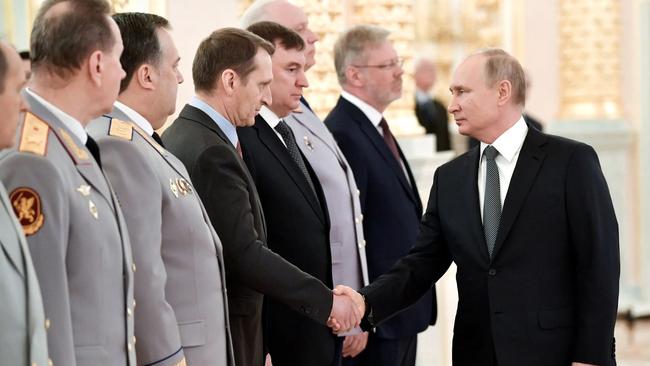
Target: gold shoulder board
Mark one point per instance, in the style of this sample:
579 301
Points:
34 135
121 129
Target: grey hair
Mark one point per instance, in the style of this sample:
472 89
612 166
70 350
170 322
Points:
352 44
500 65
256 12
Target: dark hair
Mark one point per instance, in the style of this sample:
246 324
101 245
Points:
226 48
277 33
4 67
63 37
141 44
24 55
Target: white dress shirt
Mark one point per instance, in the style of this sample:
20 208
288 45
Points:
508 145
135 117
70 122
272 120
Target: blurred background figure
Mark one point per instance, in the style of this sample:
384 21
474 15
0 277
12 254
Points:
431 113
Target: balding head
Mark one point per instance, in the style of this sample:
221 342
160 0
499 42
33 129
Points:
65 32
288 15
424 74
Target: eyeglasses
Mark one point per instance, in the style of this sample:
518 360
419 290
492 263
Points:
398 62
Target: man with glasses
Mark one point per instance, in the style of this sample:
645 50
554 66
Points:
370 73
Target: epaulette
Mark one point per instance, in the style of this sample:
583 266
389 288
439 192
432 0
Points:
34 135
121 129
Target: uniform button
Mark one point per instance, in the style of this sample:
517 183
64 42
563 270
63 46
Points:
129 346
34 364
492 272
358 192
49 362
47 324
133 303
133 267
128 311
356 220
361 216
363 243
134 340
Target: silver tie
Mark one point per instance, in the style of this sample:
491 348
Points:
492 199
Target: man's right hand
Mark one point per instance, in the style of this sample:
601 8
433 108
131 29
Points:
346 312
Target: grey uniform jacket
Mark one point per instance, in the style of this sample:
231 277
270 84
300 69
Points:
335 175
180 281
78 242
22 322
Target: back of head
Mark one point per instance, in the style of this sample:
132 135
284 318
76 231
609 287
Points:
352 44
67 31
226 48
278 35
500 65
256 12
140 39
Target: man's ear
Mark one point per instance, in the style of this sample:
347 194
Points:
354 76
504 90
145 77
230 81
96 68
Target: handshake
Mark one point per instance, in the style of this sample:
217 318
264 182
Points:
348 308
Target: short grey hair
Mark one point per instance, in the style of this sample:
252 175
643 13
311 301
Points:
500 65
256 12
352 44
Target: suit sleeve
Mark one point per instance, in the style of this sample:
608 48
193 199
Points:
413 275
128 170
220 182
593 233
48 245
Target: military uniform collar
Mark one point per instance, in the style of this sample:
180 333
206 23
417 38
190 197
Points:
135 117
74 126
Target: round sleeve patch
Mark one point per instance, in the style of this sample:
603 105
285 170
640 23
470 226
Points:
27 207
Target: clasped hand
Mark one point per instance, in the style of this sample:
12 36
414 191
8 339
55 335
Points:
348 308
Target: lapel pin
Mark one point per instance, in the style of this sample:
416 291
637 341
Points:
93 209
84 189
173 187
309 144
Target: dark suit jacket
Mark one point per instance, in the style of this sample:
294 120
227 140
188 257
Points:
390 204
298 229
433 116
231 200
550 293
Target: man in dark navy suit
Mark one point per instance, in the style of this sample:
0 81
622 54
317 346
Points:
370 73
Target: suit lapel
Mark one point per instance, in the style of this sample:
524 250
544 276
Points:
470 199
196 115
275 146
529 162
378 141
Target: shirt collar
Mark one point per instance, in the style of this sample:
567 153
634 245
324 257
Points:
422 97
371 113
510 142
228 128
68 121
135 117
269 116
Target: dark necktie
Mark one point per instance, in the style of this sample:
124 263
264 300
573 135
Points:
238 148
390 140
156 137
492 198
92 146
290 140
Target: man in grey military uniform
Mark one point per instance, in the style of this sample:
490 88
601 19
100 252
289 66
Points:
182 314
68 211
317 144
22 321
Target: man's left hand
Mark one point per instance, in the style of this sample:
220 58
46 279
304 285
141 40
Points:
354 344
